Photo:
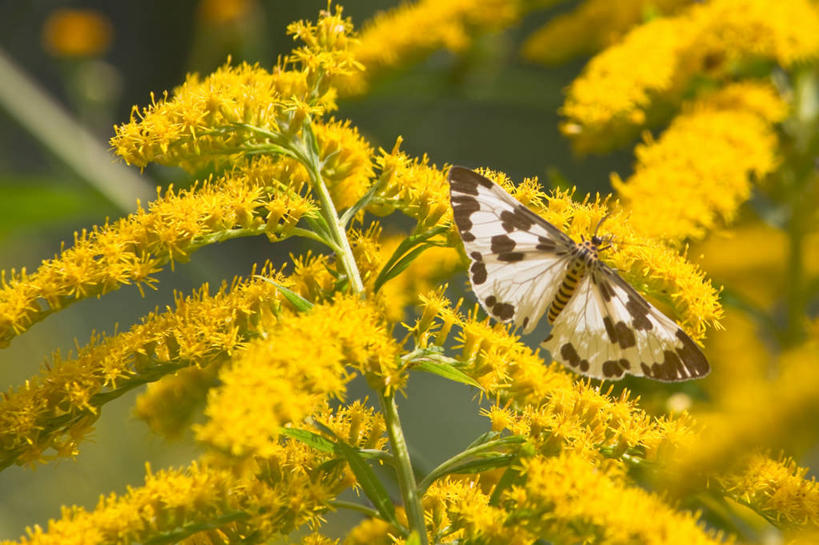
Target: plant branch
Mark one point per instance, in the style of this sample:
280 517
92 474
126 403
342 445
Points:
406 477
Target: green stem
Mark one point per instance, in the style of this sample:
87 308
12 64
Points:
174 536
406 477
445 467
328 211
372 513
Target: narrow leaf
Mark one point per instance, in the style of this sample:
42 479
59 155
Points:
484 438
369 483
406 245
447 371
350 213
402 264
510 477
482 464
309 438
295 299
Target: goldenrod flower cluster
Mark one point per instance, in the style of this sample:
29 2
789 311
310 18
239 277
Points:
591 26
270 356
615 95
736 126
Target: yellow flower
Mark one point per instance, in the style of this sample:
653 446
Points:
370 532
216 120
775 413
695 177
752 260
200 332
293 370
778 489
614 95
346 162
414 187
132 249
76 33
566 499
460 510
591 26
223 12
409 31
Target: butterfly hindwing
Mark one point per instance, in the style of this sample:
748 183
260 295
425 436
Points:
608 330
518 258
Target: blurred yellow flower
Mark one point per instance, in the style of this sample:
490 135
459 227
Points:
695 177
77 33
411 30
614 95
591 26
225 11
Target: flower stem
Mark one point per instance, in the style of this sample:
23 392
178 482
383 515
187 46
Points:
309 157
403 466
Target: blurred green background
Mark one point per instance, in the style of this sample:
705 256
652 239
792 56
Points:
483 108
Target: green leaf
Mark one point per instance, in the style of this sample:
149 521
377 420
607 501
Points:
310 439
448 371
509 478
350 213
295 299
484 438
369 482
483 464
400 253
414 538
402 264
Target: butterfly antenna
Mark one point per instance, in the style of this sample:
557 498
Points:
599 223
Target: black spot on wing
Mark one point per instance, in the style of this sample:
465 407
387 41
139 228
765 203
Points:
605 288
691 356
476 256
638 308
462 209
504 311
518 219
478 270
465 176
545 244
612 333
682 363
502 244
511 257
569 354
624 335
671 368
490 301
612 369
465 187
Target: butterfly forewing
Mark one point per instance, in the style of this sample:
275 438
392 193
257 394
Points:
519 262
517 258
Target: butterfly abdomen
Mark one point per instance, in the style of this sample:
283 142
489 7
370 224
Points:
574 275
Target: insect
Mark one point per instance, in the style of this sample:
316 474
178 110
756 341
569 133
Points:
523 267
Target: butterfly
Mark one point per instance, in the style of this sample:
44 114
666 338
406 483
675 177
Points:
523 267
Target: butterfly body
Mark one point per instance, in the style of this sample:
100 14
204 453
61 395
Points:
524 267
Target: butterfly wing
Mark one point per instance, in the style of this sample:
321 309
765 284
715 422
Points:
518 259
608 330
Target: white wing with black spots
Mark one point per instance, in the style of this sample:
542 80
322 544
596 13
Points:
518 258
608 330
523 266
